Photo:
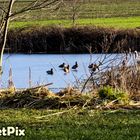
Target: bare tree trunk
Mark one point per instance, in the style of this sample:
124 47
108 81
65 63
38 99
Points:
4 32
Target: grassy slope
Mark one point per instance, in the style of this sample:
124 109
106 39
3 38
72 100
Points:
93 9
122 22
107 13
76 124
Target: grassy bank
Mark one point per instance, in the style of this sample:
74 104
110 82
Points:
115 22
73 124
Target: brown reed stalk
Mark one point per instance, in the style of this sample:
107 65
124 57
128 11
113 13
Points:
30 78
10 80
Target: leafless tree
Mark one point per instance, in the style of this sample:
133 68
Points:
7 14
75 10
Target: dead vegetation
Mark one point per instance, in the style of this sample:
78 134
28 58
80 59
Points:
71 40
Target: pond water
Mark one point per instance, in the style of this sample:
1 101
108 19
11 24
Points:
40 63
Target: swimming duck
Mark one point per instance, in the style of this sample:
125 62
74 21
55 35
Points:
62 65
66 69
95 67
74 67
50 72
91 66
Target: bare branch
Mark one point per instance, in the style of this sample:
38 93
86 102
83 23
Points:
35 6
2 9
2 22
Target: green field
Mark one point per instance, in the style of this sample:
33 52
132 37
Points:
73 124
106 13
86 9
125 23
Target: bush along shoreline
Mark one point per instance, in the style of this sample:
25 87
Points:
72 40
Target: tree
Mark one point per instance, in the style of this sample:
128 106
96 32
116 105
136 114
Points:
75 10
6 14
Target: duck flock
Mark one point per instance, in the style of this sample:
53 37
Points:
66 68
93 66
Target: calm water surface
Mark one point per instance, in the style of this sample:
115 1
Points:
40 63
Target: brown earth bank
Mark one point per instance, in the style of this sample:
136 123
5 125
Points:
72 40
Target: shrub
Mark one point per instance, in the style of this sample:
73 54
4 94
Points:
110 93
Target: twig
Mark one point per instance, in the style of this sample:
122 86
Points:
54 114
39 86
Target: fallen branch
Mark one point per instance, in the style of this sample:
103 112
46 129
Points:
54 114
39 86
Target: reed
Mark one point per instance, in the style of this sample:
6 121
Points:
71 40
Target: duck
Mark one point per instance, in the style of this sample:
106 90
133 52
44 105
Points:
66 69
62 65
95 67
74 67
91 66
137 57
50 72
